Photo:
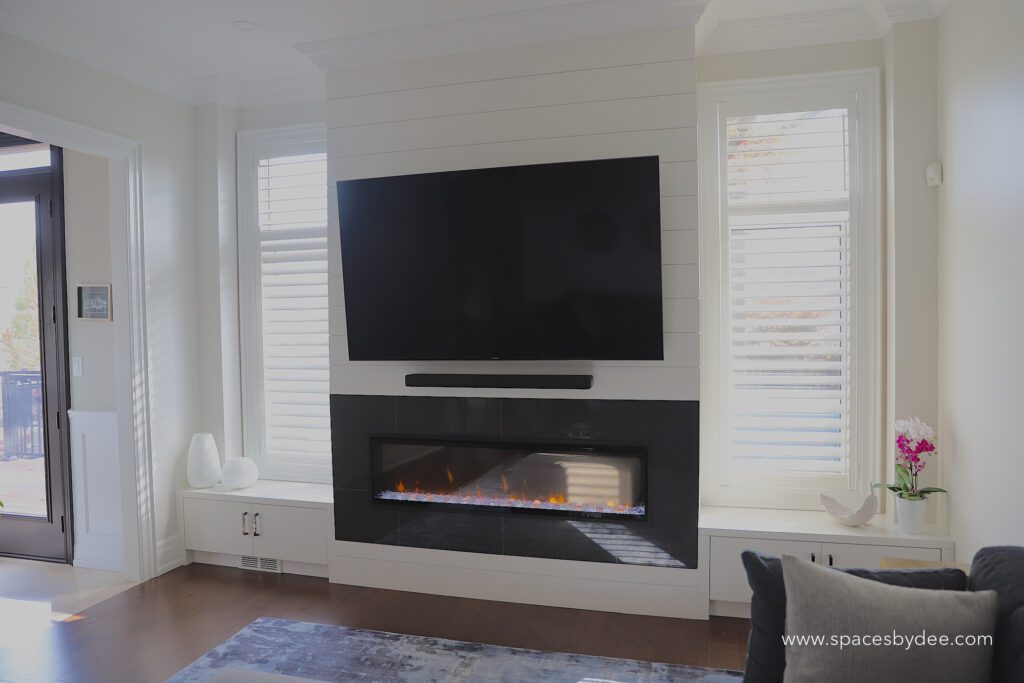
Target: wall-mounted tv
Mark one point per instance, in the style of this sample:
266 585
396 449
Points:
541 262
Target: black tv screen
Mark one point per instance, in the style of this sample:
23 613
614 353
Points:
542 262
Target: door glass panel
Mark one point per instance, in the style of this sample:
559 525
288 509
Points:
22 450
24 156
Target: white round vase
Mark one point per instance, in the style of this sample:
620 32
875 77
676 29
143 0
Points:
239 473
203 462
911 515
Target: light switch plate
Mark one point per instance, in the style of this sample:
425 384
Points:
76 366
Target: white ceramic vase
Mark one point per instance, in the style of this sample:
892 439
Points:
911 515
203 462
239 473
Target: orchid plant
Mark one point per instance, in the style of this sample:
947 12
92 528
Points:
915 443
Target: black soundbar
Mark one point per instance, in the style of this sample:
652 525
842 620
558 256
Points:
501 381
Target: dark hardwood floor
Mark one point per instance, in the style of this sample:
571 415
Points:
152 630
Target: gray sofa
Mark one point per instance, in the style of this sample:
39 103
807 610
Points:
998 568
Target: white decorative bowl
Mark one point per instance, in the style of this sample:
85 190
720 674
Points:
239 473
848 516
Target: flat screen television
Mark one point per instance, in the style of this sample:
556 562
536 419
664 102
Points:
541 262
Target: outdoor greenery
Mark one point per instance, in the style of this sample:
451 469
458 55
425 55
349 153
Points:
20 341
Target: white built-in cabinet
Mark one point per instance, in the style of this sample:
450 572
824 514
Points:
729 579
281 521
808 534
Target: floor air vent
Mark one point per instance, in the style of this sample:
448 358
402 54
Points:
260 564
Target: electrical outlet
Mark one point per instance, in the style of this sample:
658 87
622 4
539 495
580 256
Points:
76 366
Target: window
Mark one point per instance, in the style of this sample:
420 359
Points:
791 379
283 271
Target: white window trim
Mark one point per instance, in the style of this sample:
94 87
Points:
252 146
862 89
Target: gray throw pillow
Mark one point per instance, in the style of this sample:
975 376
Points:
866 626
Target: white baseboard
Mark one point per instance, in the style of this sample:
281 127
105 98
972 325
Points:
655 591
724 608
170 554
225 560
98 551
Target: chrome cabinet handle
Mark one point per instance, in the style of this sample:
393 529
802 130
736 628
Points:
813 558
244 516
256 524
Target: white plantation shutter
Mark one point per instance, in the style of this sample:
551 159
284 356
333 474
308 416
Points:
796 358
283 274
790 315
293 275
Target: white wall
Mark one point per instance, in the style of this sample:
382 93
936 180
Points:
625 95
220 390
35 78
912 242
87 249
981 213
796 60
281 115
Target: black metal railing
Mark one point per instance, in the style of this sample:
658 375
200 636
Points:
22 408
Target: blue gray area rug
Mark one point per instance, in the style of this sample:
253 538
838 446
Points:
335 653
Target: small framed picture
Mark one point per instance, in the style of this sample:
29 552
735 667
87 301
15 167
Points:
94 302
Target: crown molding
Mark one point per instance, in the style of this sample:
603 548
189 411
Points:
867 20
581 19
913 10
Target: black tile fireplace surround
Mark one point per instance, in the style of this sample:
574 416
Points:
656 526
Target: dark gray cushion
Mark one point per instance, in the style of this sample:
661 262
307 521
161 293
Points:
1001 569
882 625
766 655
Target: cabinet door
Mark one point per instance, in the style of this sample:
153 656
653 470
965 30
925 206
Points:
729 579
290 533
849 555
216 526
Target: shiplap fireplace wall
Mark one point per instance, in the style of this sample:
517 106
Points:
629 94
616 96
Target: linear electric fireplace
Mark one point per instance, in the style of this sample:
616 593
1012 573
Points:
572 480
567 479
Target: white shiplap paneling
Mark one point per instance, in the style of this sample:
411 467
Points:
615 96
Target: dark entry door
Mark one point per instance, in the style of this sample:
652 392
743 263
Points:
34 472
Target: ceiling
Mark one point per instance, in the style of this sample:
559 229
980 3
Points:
190 49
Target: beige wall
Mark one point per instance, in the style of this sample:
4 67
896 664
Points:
87 245
981 217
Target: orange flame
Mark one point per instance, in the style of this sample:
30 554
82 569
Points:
448 471
504 484
400 488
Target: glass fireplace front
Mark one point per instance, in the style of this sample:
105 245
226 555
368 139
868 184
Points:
561 479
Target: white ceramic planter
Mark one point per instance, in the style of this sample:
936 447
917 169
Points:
911 515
